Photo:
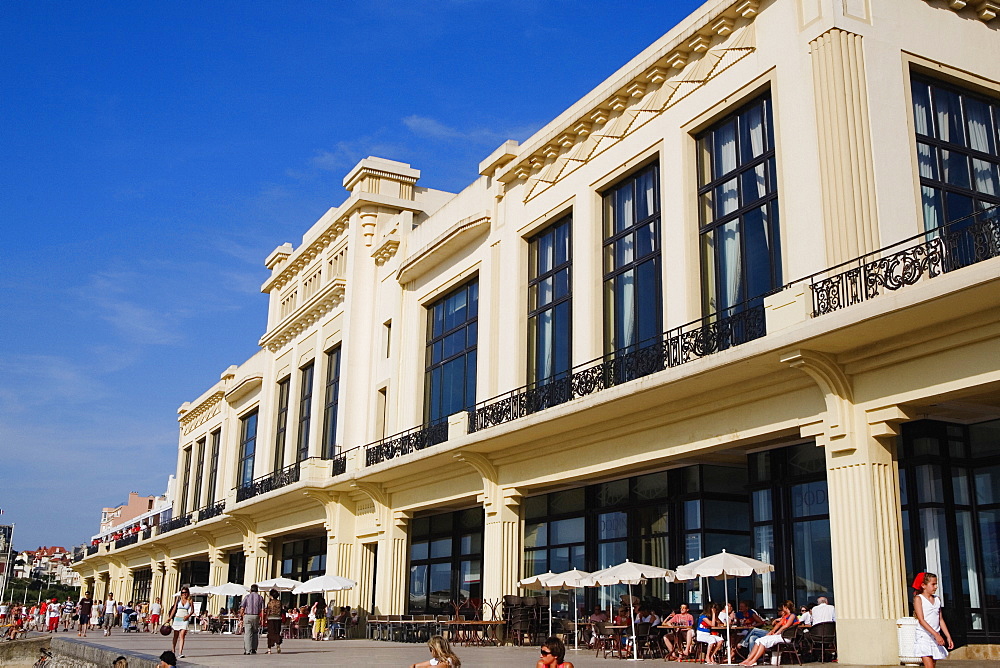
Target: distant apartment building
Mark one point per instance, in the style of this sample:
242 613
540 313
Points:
136 505
49 564
743 295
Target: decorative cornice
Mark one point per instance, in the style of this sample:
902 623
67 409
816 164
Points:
244 387
306 254
202 413
324 301
985 10
387 250
688 57
437 250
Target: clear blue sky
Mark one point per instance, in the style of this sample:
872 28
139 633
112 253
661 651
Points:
154 153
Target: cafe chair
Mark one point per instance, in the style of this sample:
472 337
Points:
824 640
789 647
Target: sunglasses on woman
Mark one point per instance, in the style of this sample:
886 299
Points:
545 652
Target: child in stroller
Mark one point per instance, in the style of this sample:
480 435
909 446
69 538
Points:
130 620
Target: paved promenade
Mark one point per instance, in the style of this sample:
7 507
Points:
226 650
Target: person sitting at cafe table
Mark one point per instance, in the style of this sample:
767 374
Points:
805 616
598 616
773 637
749 619
823 612
709 618
646 616
682 618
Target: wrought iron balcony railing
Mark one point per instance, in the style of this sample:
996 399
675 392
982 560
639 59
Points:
406 442
92 549
210 511
131 539
959 243
340 462
270 482
173 524
699 338
147 533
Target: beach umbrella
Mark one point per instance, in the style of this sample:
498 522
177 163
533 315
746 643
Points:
323 584
629 573
281 584
574 578
229 589
542 582
723 566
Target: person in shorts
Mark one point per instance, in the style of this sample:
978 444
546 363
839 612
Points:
110 609
68 614
154 614
85 609
52 613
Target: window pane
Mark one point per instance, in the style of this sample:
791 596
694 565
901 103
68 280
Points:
762 506
652 486
929 485
933 527
922 120
810 499
612 493
441 548
987 480
955 168
567 531
418 550
989 531
611 554
612 525
812 561
979 126
535 562
948 116
440 586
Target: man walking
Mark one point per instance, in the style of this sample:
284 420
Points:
86 608
250 609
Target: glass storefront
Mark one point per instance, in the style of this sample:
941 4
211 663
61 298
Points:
446 562
662 519
142 582
791 525
302 560
950 493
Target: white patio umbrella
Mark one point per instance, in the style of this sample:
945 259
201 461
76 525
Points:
229 589
723 566
541 581
281 584
196 591
629 573
323 584
574 579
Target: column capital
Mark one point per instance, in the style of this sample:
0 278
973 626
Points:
838 395
884 422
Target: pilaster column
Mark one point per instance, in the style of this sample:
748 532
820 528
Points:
171 579
866 538
502 545
128 583
258 566
393 587
218 563
845 145
156 586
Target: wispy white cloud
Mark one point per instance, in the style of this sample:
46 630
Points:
431 128
346 154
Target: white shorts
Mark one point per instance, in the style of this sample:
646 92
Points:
705 636
769 641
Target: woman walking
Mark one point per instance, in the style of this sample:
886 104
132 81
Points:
273 611
180 616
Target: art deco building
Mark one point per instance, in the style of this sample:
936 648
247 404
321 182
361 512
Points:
743 295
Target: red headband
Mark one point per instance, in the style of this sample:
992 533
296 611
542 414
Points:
918 582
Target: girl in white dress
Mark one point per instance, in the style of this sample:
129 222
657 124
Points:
930 645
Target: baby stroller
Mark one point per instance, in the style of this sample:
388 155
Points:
130 621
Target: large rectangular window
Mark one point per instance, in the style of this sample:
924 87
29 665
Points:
248 447
199 472
549 305
633 303
213 466
446 559
305 411
958 155
452 335
281 422
186 487
738 208
331 402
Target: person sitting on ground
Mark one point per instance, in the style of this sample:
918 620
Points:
167 660
553 653
773 637
441 655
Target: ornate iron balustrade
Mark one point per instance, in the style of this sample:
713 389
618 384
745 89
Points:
340 463
958 244
696 339
406 442
214 510
78 554
147 533
270 482
92 549
126 541
172 524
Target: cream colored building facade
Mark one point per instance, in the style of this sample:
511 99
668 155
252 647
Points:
600 348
